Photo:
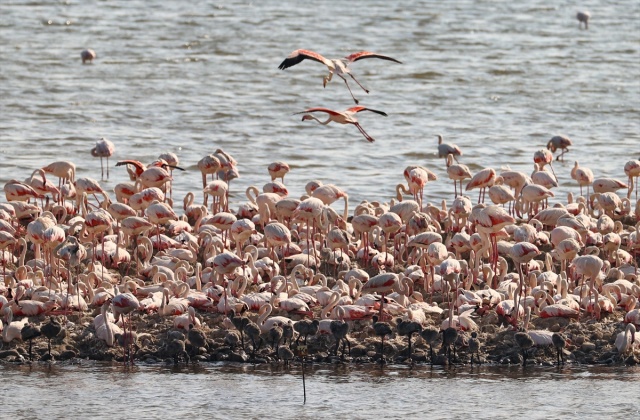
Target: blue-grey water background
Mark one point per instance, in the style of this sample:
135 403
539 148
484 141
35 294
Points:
498 78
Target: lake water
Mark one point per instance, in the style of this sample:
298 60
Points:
90 390
498 78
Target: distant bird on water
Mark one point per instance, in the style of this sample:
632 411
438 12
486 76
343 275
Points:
583 17
88 55
446 149
344 117
338 66
559 142
103 148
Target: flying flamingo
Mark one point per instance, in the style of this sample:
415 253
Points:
344 117
104 148
338 66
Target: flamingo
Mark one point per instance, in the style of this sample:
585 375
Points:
632 170
208 165
483 179
341 117
446 149
559 142
88 55
278 169
338 66
457 172
103 148
383 283
584 177
627 340
583 16
64 170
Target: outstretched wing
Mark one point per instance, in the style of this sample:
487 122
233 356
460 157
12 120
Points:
327 110
356 109
298 55
368 54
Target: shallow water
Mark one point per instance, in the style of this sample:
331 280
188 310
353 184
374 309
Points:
498 78
96 390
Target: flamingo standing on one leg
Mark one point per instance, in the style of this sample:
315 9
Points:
337 66
344 117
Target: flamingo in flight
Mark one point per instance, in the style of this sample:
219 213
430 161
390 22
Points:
345 117
338 66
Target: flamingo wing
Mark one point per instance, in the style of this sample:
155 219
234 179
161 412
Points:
140 167
357 109
298 56
327 110
368 54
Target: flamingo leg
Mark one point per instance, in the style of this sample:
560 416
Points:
364 133
348 87
359 84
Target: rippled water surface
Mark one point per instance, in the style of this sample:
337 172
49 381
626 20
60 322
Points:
498 78
249 392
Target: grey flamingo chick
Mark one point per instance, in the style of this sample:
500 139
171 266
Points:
275 335
306 327
51 330
177 348
196 337
430 335
253 331
474 346
407 329
29 332
559 342
449 337
340 329
381 329
525 342
285 353
287 333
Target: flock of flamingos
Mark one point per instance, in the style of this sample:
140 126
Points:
281 269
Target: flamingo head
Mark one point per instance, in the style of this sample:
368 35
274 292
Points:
306 117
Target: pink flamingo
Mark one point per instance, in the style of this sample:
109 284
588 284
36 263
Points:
483 179
338 66
103 148
584 177
344 117
278 169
